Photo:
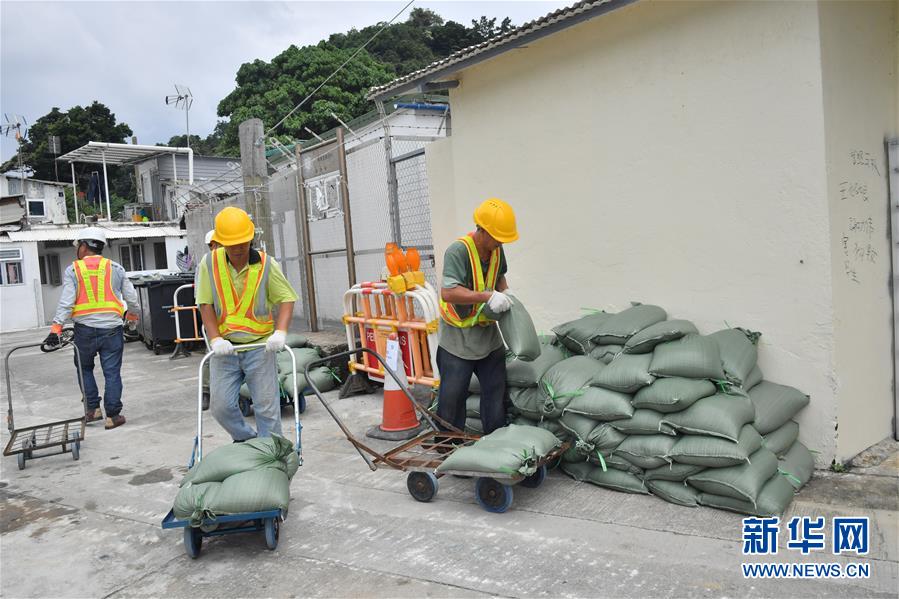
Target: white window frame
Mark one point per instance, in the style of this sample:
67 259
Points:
18 258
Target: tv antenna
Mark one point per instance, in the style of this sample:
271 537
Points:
17 127
182 98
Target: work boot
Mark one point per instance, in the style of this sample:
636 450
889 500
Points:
93 415
114 421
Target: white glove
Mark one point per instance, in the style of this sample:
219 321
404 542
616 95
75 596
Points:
499 302
275 343
221 347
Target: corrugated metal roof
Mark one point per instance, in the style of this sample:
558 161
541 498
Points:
466 57
97 152
68 233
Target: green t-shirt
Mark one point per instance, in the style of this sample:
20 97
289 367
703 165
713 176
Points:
476 342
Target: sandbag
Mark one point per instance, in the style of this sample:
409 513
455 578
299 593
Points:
590 436
610 460
646 451
797 465
620 327
775 405
564 381
253 491
578 470
511 449
474 386
527 374
672 472
264 452
673 394
715 452
518 331
555 428
692 357
473 426
287 384
605 353
193 502
613 478
303 355
739 354
528 401
743 482
643 422
667 330
473 406
244 391
576 334
781 440
296 340
720 415
627 373
773 500
755 377
601 404
674 492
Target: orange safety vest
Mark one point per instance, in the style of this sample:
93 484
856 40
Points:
481 283
244 318
95 294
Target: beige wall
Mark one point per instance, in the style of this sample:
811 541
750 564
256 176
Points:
670 153
858 48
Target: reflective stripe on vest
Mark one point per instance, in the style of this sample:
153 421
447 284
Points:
95 294
242 318
481 283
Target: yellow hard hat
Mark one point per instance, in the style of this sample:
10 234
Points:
233 227
496 217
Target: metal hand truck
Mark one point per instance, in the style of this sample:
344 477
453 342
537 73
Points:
421 455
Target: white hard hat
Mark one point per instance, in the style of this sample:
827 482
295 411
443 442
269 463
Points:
209 236
91 234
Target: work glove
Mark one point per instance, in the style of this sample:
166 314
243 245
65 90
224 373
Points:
52 340
221 347
275 343
499 302
131 317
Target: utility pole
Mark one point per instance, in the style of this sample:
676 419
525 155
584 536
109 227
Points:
255 179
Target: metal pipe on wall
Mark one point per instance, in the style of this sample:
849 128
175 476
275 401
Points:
312 312
347 219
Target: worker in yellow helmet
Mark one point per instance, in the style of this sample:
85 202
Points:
471 295
237 289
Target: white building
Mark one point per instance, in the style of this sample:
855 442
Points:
46 200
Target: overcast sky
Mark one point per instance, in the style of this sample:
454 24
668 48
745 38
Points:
128 54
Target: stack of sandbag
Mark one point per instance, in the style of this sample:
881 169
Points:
508 450
304 353
252 476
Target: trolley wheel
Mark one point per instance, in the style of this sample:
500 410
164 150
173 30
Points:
422 485
272 532
493 495
157 349
302 403
205 400
193 541
245 405
76 450
20 458
536 479
554 463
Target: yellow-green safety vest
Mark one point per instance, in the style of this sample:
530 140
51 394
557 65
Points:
481 283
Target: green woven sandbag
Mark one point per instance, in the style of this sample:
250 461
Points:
245 391
613 478
303 355
601 404
667 330
605 353
620 327
518 331
797 465
527 374
578 470
589 435
538 440
474 386
566 380
627 373
287 385
673 472
473 406
528 402
610 460
192 501
773 500
781 440
673 394
715 452
692 357
643 422
572 455
555 428
264 452
646 451
576 334
295 340
673 492
739 354
755 377
253 491
720 415
508 450
473 426
775 405
743 482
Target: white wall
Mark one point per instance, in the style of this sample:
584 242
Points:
670 153
51 293
21 306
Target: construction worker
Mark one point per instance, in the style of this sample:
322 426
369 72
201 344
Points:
213 245
95 293
237 287
471 294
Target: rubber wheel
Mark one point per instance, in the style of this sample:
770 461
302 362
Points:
205 401
536 479
302 403
272 532
193 541
422 485
492 495
20 458
245 405
76 450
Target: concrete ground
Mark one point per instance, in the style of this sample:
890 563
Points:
91 528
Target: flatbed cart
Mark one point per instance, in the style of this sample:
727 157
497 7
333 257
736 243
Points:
421 455
65 434
227 524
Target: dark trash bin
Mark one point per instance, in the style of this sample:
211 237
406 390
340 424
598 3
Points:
157 321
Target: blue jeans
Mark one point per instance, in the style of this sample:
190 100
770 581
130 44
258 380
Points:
260 371
455 377
109 344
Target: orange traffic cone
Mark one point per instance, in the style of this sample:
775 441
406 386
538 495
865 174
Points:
398 419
